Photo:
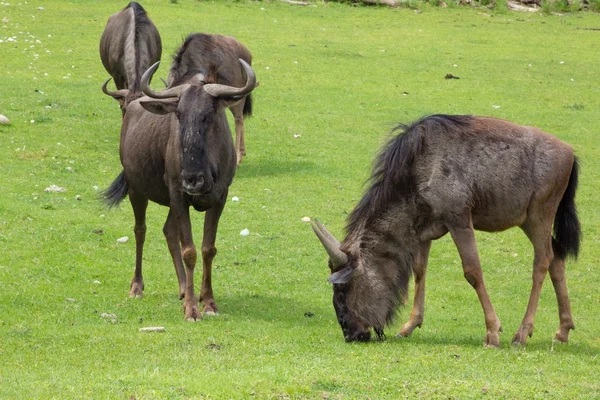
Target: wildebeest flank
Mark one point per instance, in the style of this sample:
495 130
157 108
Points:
129 44
454 174
176 150
199 52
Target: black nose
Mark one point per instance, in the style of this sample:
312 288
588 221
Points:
192 182
358 336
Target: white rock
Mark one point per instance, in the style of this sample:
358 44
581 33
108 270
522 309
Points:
244 232
153 329
297 136
54 189
496 106
4 120
235 198
306 219
123 239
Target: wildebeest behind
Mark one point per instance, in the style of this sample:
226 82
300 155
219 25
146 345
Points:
454 174
200 51
182 157
129 44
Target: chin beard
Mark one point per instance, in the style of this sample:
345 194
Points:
379 333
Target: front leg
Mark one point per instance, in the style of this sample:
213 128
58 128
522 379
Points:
418 310
464 239
189 255
211 223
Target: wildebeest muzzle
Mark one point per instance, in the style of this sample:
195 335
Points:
194 183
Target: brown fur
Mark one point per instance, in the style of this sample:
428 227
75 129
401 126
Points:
178 152
129 45
217 55
456 174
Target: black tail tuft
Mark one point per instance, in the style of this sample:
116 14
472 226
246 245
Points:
248 106
116 192
567 231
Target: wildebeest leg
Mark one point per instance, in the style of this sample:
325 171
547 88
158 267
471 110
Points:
464 238
539 233
211 222
418 310
189 255
238 116
557 274
172 235
139 205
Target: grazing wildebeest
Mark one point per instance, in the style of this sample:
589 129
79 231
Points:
129 44
199 51
179 154
454 174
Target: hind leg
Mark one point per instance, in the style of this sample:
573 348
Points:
419 269
238 116
139 204
557 274
538 231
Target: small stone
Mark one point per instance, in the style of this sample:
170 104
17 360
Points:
153 329
123 239
55 189
235 198
4 120
306 219
244 232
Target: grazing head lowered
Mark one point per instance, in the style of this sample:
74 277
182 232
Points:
176 150
456 174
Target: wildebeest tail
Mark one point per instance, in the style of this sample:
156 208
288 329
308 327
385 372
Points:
567 231
248 106
116 192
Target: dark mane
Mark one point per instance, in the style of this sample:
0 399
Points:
178 56
392 177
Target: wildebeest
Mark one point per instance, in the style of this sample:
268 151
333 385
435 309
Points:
176 150
199 51
454 174
129 45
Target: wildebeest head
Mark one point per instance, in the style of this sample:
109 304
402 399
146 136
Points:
198 107
356 299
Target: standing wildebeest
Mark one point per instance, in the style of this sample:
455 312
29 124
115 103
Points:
130 43
182 157
199 51
454 174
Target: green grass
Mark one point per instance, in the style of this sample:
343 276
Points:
341 77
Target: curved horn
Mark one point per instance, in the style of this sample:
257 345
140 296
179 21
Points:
331 245
218 90
118 94
163 94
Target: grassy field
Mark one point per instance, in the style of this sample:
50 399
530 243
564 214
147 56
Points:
340 77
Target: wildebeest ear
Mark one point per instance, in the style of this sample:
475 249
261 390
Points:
160 107
341 276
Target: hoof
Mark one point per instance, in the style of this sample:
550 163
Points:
135 296
210 313
192 313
